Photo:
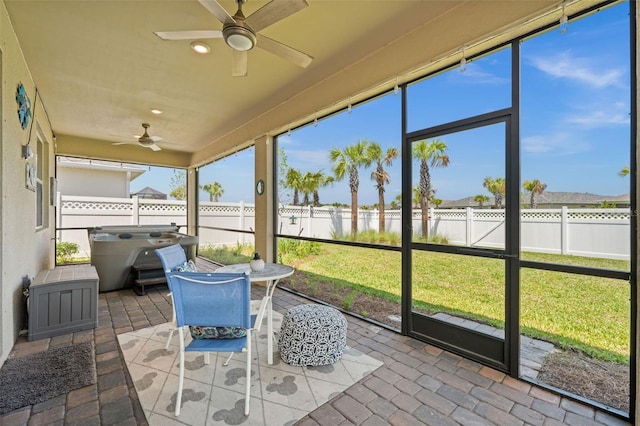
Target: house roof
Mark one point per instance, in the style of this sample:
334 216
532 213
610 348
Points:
547 197
85 163
574 198
150 191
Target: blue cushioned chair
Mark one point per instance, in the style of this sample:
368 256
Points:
171 257
213 300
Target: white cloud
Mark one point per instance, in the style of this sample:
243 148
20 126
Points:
558 143
600 119
475 74
285 139
309 158
600 114
563 65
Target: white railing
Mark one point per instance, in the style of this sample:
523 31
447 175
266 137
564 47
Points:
582 232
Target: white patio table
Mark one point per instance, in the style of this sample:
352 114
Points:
271 274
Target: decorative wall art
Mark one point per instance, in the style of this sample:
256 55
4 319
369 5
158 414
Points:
24 106
260 187
30 177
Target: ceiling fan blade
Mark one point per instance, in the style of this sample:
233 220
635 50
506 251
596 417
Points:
188 35
152 139
121 143
273 12
289 53
154 147
239 63
218 11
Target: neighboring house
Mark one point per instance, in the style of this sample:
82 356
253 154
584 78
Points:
466 202
150 194
96 178
577 200
549 200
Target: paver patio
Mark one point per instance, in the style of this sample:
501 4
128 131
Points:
418 383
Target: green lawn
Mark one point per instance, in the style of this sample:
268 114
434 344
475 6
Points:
590 314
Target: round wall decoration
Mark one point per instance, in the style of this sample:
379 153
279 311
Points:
260 187
24 106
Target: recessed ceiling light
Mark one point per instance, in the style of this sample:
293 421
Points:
200 47
156 111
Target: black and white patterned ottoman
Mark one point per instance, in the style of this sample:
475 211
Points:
312 335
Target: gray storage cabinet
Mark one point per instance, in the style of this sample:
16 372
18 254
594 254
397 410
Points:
63 300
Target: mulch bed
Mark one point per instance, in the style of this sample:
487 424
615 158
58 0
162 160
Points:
577 373
369 307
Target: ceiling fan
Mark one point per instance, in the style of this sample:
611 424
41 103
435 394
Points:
241 33
145 140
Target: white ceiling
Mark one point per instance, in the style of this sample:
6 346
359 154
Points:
99 68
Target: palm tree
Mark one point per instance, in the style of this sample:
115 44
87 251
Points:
380 175
215 191
624 171
497 187
431 154
321 181
308 185
293 180
415 200
347 161
535 187
397 201
481 199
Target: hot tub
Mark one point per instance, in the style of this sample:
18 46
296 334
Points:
115 249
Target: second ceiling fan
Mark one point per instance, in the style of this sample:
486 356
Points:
241 33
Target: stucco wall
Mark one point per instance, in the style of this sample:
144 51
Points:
94 183
23 249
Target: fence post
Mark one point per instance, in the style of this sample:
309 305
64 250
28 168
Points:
564 230
241 222
430 220
309 228
469 220
135 213
375 219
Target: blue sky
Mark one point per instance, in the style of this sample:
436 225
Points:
574 122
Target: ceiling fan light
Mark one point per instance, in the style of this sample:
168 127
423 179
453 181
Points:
200 47
239 38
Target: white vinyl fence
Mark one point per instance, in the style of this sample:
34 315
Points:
582 232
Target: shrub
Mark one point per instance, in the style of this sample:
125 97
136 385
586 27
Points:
435 239
370 236
228 255
289 250
65 251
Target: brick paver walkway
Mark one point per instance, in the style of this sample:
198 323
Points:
418 383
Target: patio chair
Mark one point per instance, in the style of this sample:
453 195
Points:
213 300
171 257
